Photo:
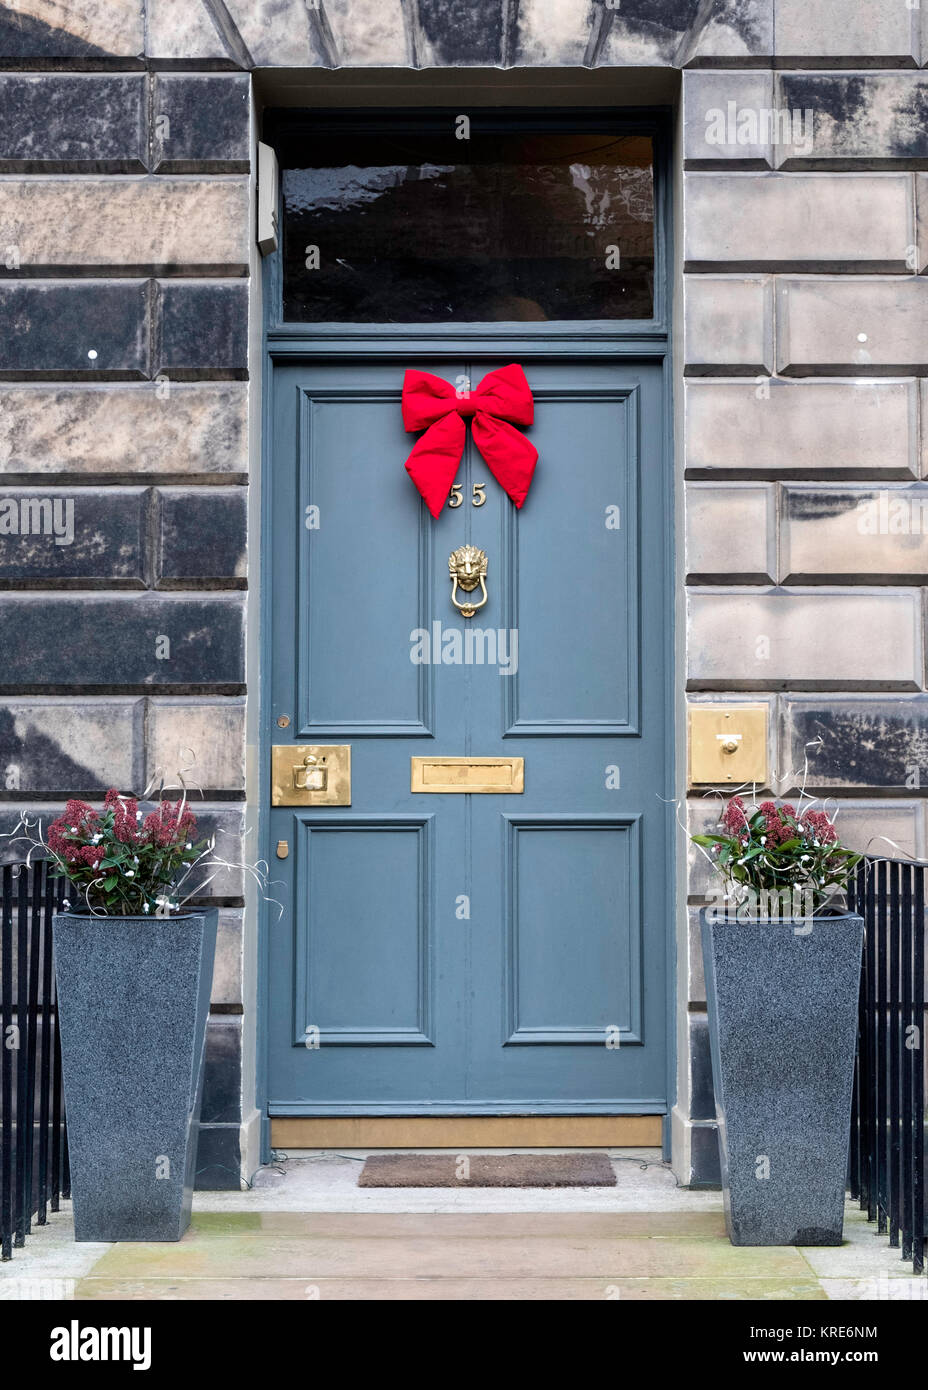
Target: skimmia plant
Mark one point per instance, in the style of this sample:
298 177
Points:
776 858
122 862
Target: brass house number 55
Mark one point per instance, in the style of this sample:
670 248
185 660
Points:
457 495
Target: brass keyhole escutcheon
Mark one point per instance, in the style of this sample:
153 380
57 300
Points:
468 567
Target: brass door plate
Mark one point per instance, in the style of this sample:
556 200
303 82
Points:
728 743
467 775
311 774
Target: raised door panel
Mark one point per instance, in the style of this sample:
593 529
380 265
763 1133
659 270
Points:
573 931
364 567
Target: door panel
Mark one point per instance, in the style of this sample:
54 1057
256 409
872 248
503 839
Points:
372 874
568 981
367 537
563 563
466 952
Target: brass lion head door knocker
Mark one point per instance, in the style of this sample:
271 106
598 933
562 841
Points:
468 567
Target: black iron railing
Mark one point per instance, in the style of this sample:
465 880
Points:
887 1167
33 1140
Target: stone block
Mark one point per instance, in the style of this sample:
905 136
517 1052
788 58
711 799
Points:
551 33
74 328
85 122
730 533
201 122
729 33
702 1096
201 329
274 33
219 1159
222 1082
372 33
60 747
201 538
849 534
129 643
460 33
78 538
723 119
894 828
803 429
921 203
136 225
206 737
227 971
833 33
728 325
83 29
852 327
851 639
872 120
799 222
695 974
162 430
182 31
647 34
702 818
705 1165
222 882
857 742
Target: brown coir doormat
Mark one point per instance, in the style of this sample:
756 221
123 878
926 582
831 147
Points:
487 1170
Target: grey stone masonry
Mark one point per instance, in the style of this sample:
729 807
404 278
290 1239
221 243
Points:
128 429
125 212
805 437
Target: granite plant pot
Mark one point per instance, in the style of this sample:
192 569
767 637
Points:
133 1000
782 998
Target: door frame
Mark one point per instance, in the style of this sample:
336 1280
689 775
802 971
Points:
627 341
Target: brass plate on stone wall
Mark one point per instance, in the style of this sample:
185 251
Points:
728 743
311 774
467 774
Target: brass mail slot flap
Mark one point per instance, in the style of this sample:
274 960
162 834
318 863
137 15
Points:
311 774
468 774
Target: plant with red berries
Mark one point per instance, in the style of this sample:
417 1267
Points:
774 855
125 863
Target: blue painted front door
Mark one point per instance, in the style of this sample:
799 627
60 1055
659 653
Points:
472 953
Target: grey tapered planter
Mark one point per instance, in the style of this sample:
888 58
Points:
782 1027
133 1000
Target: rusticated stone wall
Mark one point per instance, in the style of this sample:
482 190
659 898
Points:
124 306
805 243
125 141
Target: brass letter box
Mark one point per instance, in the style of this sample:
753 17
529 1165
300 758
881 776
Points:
467 775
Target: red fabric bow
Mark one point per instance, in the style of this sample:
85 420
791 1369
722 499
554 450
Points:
501 401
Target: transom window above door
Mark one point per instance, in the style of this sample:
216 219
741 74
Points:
440 222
